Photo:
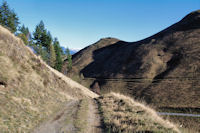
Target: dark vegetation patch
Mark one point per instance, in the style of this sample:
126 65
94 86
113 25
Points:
180 110
2 83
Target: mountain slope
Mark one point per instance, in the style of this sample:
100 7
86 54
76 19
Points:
30 91
82 58
163 69
36 98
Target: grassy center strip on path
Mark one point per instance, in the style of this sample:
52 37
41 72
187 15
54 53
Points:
80 122
87 118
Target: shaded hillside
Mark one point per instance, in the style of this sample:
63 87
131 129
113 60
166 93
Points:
163 69
84 56
30 91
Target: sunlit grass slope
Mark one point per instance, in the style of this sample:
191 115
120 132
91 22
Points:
30 91
122 114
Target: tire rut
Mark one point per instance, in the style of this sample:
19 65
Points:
62 122
94 120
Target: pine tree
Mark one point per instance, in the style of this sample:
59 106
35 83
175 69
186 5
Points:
24 30
69 59
24 34
13 21
42 41
44 54
4 11
24 38
52 56
8 18
48 41
58 64
42 36
39 34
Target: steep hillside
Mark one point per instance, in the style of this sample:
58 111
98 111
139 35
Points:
82 58
30 91
163 69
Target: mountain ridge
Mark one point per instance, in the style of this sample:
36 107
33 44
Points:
167 58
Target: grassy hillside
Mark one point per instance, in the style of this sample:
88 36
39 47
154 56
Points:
30 91
121 114
163 69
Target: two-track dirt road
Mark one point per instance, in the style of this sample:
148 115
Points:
63 121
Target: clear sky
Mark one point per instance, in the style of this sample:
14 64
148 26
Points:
78 23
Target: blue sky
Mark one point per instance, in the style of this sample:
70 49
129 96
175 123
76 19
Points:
78 23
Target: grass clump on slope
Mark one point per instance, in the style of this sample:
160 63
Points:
122 114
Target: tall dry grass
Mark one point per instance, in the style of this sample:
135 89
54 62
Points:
122 114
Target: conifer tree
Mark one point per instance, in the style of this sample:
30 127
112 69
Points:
48 41
69 59
39 32
24 34
42 40
58 64
43 43
23 37
44 54
52 56
25 31
8 18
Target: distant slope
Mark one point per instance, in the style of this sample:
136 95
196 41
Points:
83 57
30 91
163 69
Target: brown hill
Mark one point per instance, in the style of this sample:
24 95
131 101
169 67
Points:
163 69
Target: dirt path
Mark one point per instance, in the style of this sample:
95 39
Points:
63 121
178 114
94 120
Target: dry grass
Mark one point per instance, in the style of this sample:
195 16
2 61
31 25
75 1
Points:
81 80
187 124
154 63
123 114
30 91
80 122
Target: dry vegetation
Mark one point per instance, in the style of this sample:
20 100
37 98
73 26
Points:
187 124
81 123
122 114
30 91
